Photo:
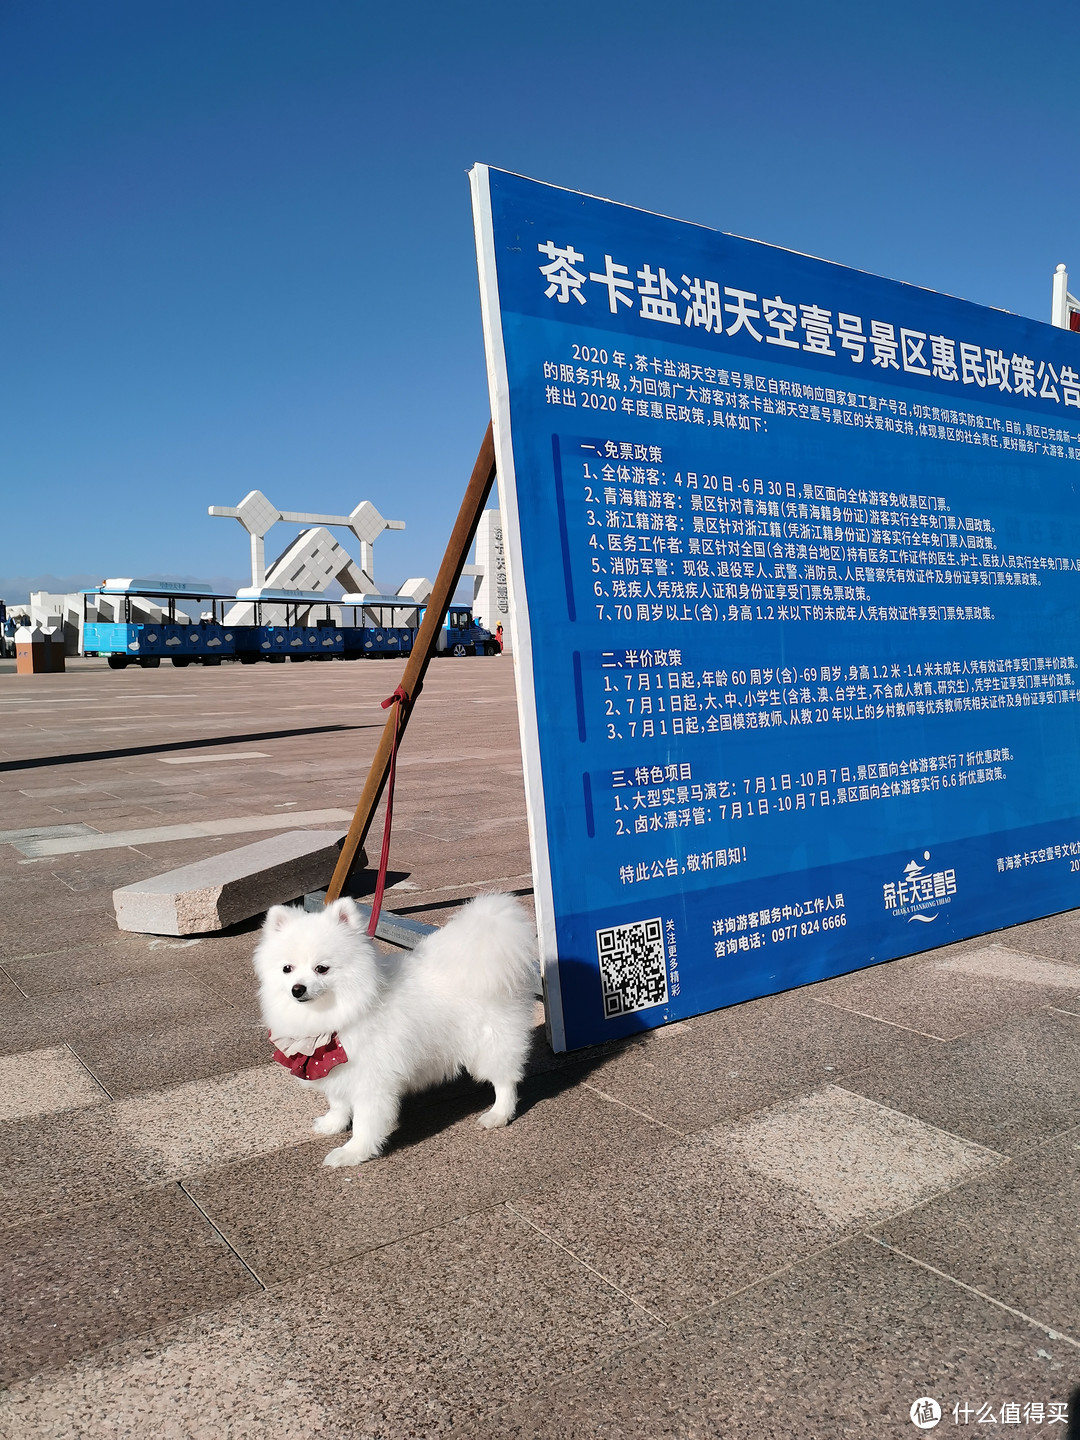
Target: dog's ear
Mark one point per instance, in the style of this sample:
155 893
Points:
344 912
277 917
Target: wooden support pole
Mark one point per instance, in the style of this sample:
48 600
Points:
446 582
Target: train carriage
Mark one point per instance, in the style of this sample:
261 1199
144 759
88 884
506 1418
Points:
148 624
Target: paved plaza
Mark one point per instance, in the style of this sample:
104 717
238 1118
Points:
788 1219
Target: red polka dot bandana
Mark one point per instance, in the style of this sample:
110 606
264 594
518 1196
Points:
326 1052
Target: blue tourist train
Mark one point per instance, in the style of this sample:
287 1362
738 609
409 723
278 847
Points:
141 623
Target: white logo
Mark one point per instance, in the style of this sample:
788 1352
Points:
925 1413
919 891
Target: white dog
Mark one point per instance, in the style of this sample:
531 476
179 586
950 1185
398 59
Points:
365 1029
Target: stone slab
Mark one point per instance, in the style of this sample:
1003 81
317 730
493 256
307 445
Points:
54 1163
230 887
731 1062
852 1159
213 759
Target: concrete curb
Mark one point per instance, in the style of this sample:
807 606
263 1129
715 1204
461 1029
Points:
225 889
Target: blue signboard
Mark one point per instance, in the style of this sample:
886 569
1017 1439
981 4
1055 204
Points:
794 555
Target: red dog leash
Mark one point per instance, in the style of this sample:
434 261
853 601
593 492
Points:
400 699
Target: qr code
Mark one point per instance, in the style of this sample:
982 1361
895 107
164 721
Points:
633 971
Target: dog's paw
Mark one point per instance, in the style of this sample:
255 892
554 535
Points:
494 1119
330 1124
341 1156
346 1155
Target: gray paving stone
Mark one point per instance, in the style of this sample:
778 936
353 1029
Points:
836 1348
733 1061
700 1219
105 1271
156 834
1008 1088
404 1342
378 1324
58 1162
39 1082
287 1214
947 994
44 832
1011 1233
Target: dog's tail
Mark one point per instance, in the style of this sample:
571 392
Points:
488 948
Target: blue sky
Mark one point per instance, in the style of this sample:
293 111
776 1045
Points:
238 245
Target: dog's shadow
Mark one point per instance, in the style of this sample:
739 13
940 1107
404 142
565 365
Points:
547 1076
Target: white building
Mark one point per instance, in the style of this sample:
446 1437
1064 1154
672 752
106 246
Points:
491 600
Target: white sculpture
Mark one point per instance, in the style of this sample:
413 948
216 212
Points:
314 560
418 589
256 514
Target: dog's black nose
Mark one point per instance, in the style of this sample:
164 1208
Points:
299 991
